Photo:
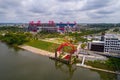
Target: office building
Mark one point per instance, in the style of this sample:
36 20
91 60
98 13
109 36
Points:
109 43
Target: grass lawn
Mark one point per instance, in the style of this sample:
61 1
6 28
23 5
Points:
48 46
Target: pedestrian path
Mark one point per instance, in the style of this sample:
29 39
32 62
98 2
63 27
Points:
90 67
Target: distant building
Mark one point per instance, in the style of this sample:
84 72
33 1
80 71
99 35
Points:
109 43
52 27
38 27
13 24
66 27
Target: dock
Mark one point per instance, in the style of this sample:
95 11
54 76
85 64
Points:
60 60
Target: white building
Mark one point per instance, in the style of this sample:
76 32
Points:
109 43
112 43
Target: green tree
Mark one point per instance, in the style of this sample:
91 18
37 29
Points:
116 30
83 45
14 38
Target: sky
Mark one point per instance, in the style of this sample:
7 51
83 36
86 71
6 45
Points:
81 11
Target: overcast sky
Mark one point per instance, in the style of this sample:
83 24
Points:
81 11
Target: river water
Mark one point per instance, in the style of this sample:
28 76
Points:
17 64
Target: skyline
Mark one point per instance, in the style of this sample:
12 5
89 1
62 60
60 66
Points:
81 11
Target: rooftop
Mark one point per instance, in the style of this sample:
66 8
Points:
98 41
112 36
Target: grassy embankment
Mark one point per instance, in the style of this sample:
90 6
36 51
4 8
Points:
48 46
110 64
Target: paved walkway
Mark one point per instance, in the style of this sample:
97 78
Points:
37 51
90 67
92 57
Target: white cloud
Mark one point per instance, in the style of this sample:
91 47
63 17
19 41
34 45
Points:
60 10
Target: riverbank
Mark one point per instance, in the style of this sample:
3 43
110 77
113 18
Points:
51 54
37 51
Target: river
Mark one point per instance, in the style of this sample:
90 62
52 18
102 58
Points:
18 64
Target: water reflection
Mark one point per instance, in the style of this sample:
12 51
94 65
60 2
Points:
118 77
14 47
67 69
71 69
